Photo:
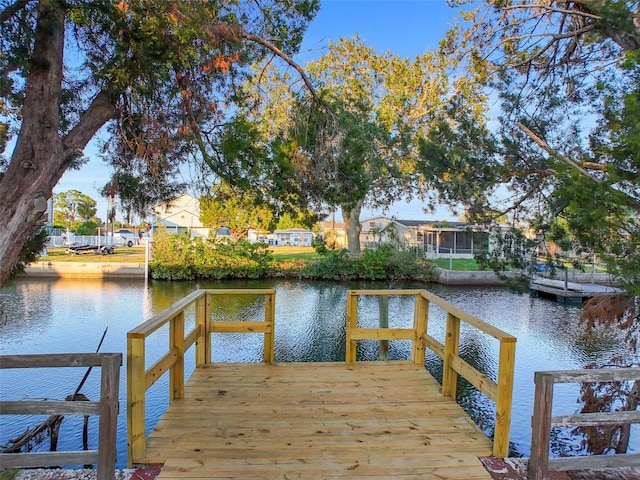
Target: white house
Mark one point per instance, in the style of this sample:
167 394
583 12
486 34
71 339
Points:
297 237
182 214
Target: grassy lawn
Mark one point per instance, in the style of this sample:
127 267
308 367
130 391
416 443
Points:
466 264
283 254
122 254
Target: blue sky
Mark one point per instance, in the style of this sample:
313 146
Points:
405 27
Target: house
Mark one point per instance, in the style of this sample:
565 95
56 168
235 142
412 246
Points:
293 236
370 230
436 238
182 214
333 233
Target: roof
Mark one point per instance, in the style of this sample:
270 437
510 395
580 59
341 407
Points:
431 223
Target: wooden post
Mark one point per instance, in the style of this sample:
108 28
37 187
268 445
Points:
451 349
108 426
201 321
352 322
136 441
541 426
207 321
420 319
383 321
269 317
176 344
506 366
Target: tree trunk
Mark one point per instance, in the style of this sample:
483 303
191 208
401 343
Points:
351 216
41 155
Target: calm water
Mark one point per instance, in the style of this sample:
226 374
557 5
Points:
45 316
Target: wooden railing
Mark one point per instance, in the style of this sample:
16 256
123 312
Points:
500 392
107 408
543 420
140 378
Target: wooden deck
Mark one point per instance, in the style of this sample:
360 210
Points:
316 420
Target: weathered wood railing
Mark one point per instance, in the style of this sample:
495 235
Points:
107 408
543 421
140 378
500 392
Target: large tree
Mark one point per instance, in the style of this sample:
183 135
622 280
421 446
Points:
73 205
159 74
361 148
237 210
563 155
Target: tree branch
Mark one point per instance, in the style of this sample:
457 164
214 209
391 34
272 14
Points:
100 111
270 46
545 146
11 10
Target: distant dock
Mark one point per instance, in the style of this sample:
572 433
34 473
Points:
569 292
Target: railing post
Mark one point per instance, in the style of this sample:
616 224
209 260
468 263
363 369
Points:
383 322
136 388
201 321
207 330
352 322
451 349
541 426
176 344
420 318
269 317
108 426
506 366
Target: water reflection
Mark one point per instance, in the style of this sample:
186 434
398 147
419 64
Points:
46 316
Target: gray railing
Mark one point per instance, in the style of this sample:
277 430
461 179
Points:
107 408
543 421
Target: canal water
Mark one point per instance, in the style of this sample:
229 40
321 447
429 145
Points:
61 316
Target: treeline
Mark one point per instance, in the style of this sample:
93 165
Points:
179 257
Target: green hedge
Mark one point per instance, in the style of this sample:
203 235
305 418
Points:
178 257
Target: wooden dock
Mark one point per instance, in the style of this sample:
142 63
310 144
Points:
569 292
316 420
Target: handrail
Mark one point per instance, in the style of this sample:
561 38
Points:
543 420
140 378
107 409
500 392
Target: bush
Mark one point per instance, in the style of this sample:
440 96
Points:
178 257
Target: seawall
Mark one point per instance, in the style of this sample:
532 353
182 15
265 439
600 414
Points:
137 270
85 270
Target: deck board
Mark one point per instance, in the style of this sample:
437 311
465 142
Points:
316 420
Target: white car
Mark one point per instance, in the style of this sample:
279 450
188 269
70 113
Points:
125 237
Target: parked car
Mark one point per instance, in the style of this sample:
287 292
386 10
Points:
125 237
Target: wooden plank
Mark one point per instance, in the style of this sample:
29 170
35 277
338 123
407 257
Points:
434 345
108 426
590 375
504 398
51 360
541 426
451 350
594 462
224 326
483 383
136 439
599 418
468 318
382 334
176 344
155 371
157 321
47 459
49 407
316 420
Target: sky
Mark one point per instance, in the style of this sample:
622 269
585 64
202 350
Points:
405 27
